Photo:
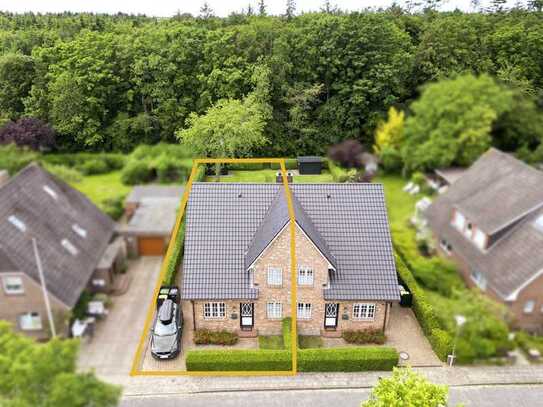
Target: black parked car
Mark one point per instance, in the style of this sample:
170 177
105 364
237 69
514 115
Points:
166 332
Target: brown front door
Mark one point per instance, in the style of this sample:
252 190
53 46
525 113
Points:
151 246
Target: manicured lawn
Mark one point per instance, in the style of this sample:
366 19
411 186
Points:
400 204
270 342
269 176
99 188
309 342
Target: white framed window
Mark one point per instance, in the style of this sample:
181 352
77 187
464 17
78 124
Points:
18 223
529 306
305 276
459 221
214 310
69 247
79 230
275 276
363 311
479 238
31 321
274 310
50 191
445 246
479 279
303 310
13 285
98 282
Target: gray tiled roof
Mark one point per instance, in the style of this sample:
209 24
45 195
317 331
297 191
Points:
274 221
153 217
494 191
223 218
50 221
141 192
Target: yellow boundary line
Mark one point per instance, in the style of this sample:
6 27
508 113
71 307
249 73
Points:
135 371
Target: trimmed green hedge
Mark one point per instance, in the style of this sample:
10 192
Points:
365 336
440 339
290 164
175 258
347 359
208 337
238 360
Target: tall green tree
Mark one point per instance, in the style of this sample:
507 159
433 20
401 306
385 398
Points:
16 75
452 121
33 374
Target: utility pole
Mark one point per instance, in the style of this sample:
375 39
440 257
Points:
44 288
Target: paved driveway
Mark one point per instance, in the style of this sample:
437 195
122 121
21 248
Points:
405 334
112 349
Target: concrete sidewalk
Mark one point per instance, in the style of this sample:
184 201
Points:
457 376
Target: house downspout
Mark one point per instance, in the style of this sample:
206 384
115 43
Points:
386 316
193 316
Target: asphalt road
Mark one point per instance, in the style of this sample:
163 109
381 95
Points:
480 396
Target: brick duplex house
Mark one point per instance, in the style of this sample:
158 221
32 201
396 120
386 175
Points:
490 221
236 267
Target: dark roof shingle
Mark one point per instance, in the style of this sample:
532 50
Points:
227 222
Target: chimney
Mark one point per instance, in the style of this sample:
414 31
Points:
4 177
279 177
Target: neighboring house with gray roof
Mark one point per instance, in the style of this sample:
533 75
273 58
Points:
73 238
490 221
236 265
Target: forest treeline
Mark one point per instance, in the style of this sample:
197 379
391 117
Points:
113 82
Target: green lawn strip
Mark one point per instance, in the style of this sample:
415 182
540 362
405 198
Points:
99 188
274 342
309 342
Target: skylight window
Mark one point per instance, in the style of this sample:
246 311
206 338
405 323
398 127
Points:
69 247
79 230
50 191
539 223
18 223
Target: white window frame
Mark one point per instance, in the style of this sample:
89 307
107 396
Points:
274 276
33 322
479 238
79 230
306 276
274 310
18 223
528 307
51 192
479 279
364 311
303 310
214 310
98 282
459 221
10 291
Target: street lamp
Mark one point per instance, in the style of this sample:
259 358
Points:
460 320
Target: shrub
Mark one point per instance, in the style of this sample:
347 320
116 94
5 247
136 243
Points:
391 160
338 173
13 158
362 337
114 207
67 174
419 179
94 167
347 359
290 164
247 166
239 360
287 333
29 132
168 169
208 337
136 172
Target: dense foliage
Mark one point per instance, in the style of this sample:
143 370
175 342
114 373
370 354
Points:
406 387
33 374
28 132
114 82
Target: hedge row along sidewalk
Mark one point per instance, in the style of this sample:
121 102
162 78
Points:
309 360
351 359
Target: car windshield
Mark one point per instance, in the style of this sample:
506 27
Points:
165 330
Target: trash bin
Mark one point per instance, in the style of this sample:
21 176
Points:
406 298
